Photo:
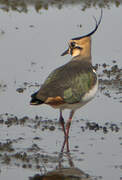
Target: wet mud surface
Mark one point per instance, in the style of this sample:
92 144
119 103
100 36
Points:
110 81
16 152
31 138
34 156
22 6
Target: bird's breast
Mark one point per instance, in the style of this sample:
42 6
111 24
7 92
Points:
90 94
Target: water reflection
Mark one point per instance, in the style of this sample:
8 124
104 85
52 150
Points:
22 5
63 172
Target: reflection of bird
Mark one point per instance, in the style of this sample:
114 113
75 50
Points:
64 173
73 84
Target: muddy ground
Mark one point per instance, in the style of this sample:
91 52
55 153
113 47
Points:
31 137
15 153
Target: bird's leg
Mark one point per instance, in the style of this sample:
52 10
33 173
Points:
68 124
66 132
61 120
62 148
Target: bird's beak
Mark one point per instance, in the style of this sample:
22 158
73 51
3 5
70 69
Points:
65 52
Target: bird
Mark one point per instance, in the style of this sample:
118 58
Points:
73 84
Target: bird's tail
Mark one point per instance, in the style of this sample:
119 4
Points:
34 100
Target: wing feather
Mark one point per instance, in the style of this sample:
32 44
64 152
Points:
70 82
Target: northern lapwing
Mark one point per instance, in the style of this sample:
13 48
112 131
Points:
72 85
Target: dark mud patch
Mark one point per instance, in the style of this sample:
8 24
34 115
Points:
26 160
25 86
110 80
107 127
23 6
6 147
37 122
33 155
30 154
47 124
10 119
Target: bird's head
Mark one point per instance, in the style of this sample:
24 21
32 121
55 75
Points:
82 45
79 47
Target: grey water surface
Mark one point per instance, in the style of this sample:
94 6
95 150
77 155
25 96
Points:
32 38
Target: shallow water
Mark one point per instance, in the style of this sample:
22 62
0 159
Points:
31 44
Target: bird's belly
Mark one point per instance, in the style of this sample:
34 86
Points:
90 95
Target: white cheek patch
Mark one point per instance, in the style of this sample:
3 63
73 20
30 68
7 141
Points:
76 52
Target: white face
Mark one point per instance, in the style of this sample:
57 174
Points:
74 49
75 52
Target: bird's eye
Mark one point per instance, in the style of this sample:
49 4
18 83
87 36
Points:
78 47
72 44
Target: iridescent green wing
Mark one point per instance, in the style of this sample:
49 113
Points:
80 83
70 82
